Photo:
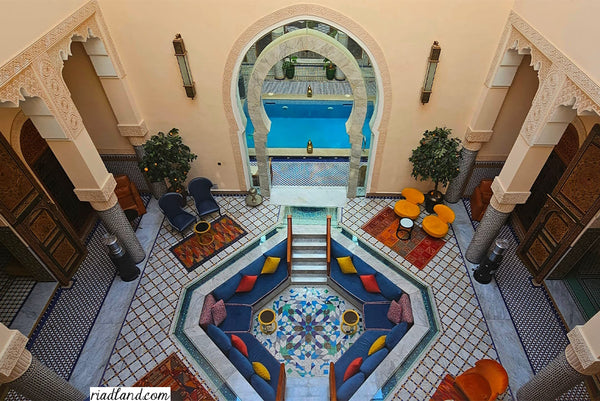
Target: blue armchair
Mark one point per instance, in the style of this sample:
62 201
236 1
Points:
199 188
170 204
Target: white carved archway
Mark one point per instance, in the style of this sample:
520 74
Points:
306 39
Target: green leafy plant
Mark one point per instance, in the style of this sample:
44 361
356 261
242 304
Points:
329 68
436 158
289 66
167 158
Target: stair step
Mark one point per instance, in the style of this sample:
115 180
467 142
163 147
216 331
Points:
309 253
309 237
302 244
309 280
309 269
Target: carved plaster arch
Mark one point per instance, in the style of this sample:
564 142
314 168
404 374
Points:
231 103
293 42
580 127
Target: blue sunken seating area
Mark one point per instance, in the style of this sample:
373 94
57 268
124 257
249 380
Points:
222 340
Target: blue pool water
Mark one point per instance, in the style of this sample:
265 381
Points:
294 122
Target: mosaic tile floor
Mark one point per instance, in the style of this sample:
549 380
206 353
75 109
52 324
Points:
540 329
13 293
144 340
308 334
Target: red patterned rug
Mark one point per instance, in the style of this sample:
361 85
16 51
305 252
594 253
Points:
194 251
418 250
173 373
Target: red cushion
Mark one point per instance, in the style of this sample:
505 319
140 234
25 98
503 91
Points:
239 344
219 313
395 312
206 314
353 368
370 283
246 284
407 315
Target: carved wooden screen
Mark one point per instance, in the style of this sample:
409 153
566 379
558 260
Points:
29 211
573 203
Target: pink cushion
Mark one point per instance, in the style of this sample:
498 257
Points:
395 312
353 368
239 344
407 315
218 312
246 284
206 314
370 283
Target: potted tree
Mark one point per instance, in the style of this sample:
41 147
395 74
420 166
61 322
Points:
329 69
436 158
167 158
289 66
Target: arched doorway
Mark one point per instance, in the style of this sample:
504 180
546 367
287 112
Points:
44 164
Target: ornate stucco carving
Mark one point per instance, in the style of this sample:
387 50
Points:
102 194
508 197
579 353
351 27
12 353
571 95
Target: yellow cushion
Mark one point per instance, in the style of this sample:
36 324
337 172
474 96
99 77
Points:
435 226
260 370
346 265
444 213
377 345
404 208
413 195
270 265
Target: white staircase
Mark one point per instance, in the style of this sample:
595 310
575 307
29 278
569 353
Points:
309 256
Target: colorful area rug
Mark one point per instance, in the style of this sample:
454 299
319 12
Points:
191 252
418 250
173 373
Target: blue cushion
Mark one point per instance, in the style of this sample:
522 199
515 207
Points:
241 363
359 349
262 388
362 267
254 268
278 251
338 251
375 316
219 338
372 361
265 283
389 290
258 353
396 335
227 289
350 386
239 318
353 285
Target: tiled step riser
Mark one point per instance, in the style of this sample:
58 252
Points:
308 238
309 280
309 270
308 246
311 262
302 253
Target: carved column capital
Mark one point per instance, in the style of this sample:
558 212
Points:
102 198
583 352
14 358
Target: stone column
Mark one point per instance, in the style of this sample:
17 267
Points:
116 222
278 68
27 375
457 185
343 39
494 218
581 358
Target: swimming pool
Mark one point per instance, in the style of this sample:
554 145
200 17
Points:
294 122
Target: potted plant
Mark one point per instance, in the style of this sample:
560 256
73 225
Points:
167 158
289 66
436 158
329 69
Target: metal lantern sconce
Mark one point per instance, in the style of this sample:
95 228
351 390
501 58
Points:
434 59
184 66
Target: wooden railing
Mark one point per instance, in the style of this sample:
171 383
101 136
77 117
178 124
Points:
328 243
280 395
332 391
289 244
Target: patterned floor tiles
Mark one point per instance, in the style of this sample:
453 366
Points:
464 335
540 329
308 334
144 340
13 293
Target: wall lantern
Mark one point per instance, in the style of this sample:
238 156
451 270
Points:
184 66
434 58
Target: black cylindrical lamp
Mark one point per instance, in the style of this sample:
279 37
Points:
485 271
127 269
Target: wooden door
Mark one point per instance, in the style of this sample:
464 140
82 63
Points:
572 204
36 219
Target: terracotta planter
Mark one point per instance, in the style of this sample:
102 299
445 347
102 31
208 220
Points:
433 198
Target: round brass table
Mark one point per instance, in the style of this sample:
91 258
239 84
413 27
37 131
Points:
202 229
267 321
349 323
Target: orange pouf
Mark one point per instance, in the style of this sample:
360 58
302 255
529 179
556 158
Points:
495 375
409 207
437 226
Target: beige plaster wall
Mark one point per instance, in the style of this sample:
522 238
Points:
90 99
589 122
572 26
468 32
512 114
7 115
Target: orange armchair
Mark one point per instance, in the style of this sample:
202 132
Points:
409 207
128 195
437 225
